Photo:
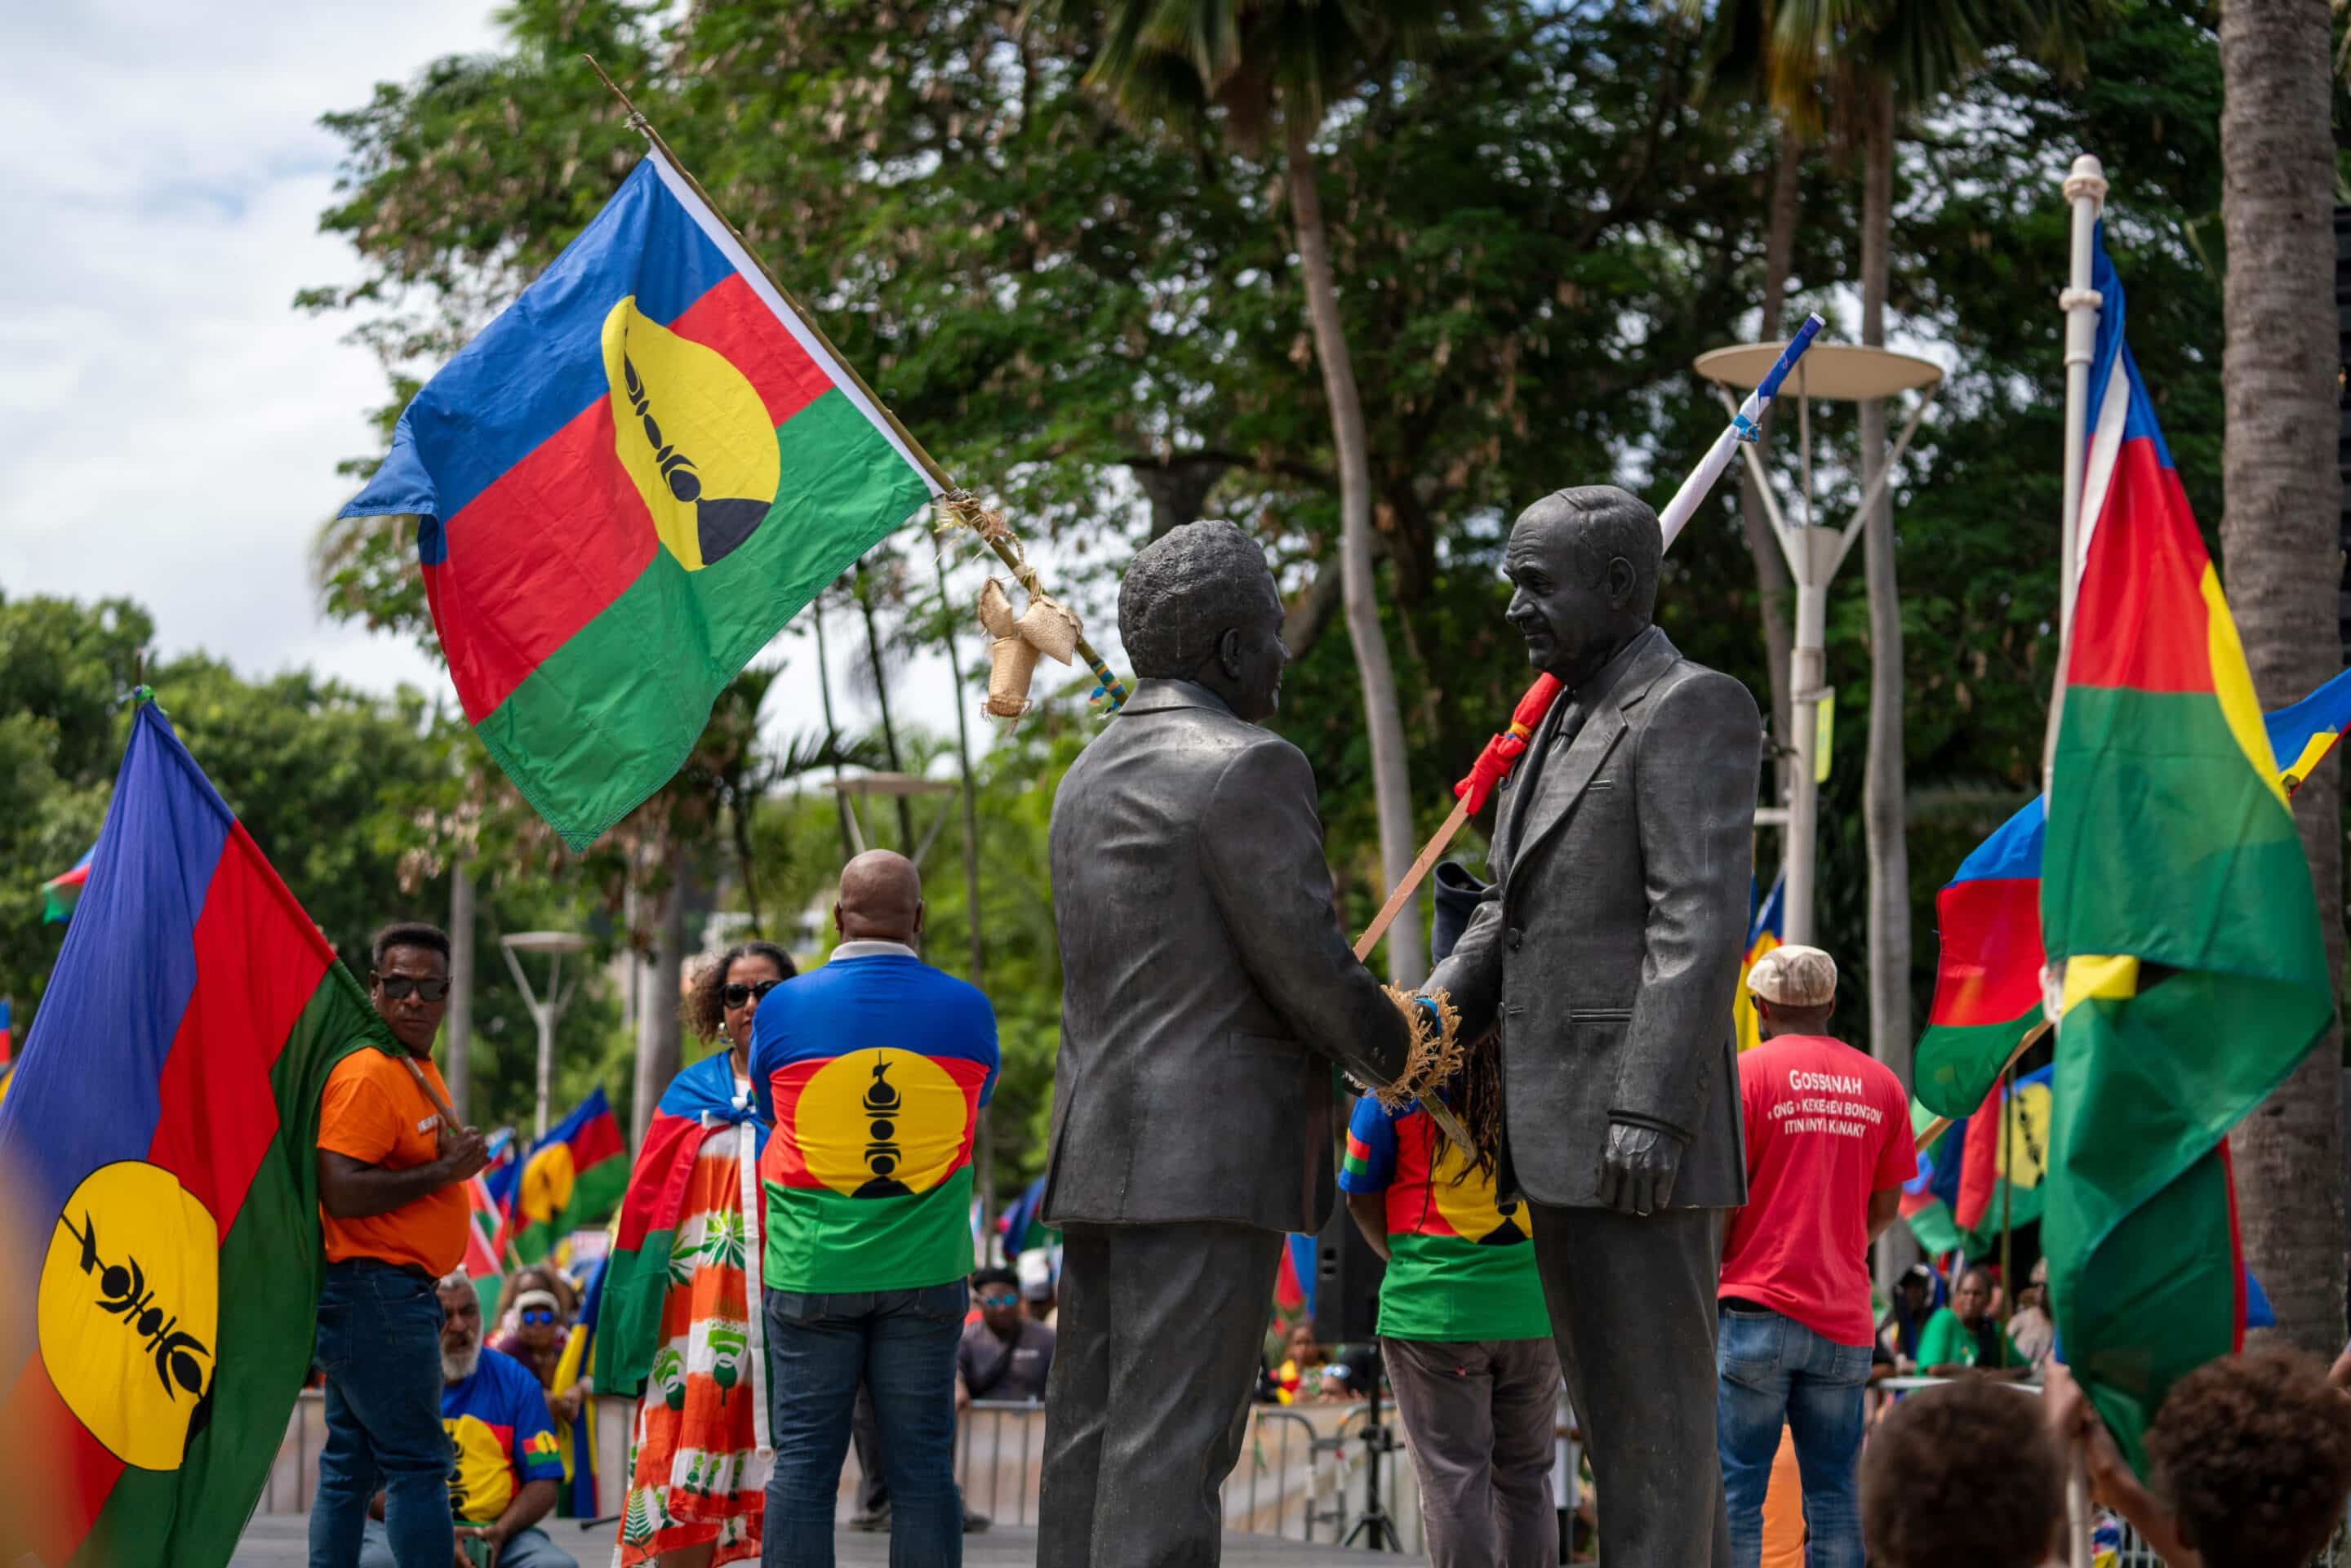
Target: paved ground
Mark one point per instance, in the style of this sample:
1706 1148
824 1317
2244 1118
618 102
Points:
277 1541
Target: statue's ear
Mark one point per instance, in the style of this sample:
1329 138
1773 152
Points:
1623 579
1229 653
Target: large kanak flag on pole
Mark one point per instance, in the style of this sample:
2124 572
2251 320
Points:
2177 897
624 487
160 1132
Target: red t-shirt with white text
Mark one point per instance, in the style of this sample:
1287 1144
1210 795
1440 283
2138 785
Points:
1826 1127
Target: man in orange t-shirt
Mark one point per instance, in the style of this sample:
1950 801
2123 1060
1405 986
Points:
391 1199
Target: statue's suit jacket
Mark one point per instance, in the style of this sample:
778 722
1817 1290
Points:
1609 945
1207 986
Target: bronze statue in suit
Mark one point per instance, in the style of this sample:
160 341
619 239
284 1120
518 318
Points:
1608 950
1207 992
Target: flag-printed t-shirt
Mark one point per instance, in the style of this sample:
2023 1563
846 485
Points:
499 1437
1460 1265
872 1070
1826 1127
373 1111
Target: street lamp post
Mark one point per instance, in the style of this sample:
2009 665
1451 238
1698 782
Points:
1842 372
555 945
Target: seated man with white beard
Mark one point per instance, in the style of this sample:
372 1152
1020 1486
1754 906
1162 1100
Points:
504 1469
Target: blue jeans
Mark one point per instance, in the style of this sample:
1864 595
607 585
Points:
902 1344
380 1347
1774 1370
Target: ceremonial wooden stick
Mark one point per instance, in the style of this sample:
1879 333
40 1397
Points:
1412 880
448 1116
1494 763
1942 1124
1114 691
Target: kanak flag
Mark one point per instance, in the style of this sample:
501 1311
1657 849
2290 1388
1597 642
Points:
623 488
1988 924
161 1129
2176 896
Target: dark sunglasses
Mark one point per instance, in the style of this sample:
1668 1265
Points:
538 1315
398 987
1006 1299
736 993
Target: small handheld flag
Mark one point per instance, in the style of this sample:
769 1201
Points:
1765 932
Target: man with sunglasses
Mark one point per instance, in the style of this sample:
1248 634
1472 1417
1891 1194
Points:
392 1202
1007 1353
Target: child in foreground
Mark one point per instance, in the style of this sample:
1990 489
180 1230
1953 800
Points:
1962 1476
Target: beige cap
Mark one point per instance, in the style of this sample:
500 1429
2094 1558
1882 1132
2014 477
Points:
1794 977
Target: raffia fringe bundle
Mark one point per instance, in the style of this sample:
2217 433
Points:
1046 628
1435 1054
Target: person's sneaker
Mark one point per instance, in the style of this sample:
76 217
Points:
872 1523
976 1523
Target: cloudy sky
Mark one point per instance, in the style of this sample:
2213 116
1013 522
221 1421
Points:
173 425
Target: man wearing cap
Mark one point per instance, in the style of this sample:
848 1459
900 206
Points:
1828 1148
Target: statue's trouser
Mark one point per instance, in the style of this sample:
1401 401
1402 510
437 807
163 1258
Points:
1632 1305
1156 1352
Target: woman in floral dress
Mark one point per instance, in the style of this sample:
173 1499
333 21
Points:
680 1318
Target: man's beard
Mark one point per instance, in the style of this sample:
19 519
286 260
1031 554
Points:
456 1365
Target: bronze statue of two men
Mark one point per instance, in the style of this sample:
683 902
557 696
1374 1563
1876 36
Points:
1208 988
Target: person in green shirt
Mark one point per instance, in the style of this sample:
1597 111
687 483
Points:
1957 1339
1465 1338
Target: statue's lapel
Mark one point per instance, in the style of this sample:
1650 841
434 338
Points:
1560 783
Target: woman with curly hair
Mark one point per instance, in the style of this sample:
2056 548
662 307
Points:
680 1316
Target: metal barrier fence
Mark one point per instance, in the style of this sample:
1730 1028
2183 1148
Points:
1303 1473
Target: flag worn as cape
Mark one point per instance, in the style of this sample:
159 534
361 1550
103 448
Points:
1764 933
161 1132
571 1178
623 488
637 1270
2175 893
1988 971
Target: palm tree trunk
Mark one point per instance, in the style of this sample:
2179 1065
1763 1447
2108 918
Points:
457 1025
983 1149
831 730
2279 535
1408 946
881 698
1772 584
659 1048
1882 806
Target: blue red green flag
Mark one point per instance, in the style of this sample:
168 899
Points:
572 1177
2176 894
623 488
63 890
1988 971
160 1132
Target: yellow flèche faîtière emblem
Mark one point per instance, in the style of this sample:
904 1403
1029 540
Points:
1466 1198
694 435
881 1124
547 1182
129 1311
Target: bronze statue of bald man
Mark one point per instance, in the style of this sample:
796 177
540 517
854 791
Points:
1608 950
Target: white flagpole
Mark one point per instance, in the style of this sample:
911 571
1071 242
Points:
2086 192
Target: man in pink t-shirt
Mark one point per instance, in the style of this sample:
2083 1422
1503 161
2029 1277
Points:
1828 1148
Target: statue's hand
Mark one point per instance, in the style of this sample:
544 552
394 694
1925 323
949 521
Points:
1636 1174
